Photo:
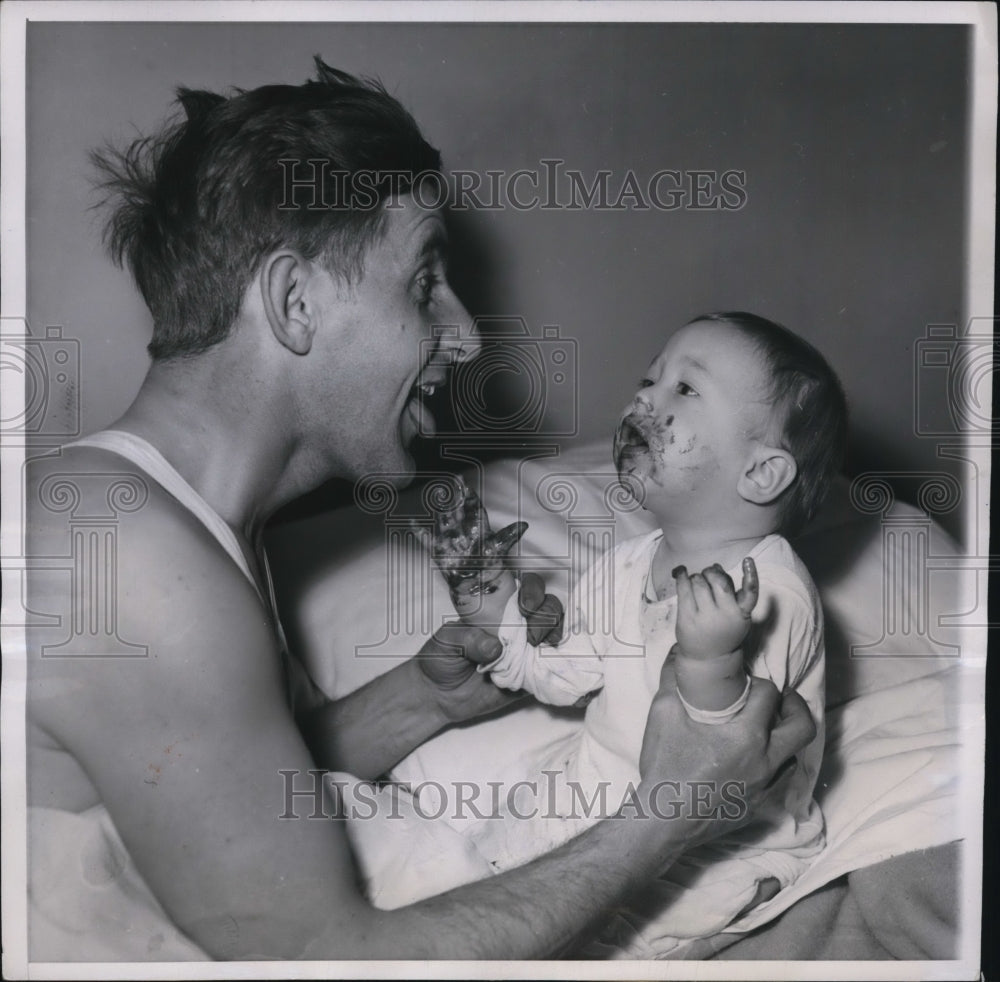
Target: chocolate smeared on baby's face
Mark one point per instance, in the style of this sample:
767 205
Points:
641 432
693 413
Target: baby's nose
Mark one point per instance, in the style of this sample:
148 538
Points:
642 403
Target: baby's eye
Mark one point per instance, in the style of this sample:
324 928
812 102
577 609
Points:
645 383
683 389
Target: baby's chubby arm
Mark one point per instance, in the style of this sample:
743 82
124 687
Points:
713 620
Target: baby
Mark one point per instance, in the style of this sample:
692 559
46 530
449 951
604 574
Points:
731 441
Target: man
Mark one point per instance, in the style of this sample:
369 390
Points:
291 344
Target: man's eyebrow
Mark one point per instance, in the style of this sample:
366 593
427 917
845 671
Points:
435 244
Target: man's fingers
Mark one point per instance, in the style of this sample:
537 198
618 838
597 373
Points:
546 623
484 649
795 728
750 589
763 700
543 611
782 777
685 593
450 638
531 594
456 638
555 633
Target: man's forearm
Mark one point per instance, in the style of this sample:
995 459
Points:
367 732
536 911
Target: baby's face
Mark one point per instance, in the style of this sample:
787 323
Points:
693 421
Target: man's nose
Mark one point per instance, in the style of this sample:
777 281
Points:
460 344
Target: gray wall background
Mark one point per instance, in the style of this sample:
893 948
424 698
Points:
853 139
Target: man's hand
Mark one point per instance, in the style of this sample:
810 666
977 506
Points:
449 658
743 758
712 618
543 611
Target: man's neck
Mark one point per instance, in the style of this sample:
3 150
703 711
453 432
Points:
228 444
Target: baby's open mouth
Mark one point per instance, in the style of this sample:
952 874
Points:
630 438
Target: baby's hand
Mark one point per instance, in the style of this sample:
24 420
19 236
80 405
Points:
464 546
471 555
712 618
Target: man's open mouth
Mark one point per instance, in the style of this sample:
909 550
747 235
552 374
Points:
420 416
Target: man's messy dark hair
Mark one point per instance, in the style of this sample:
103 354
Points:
197 207
810 410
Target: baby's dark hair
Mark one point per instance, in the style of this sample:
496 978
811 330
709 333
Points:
811 409
196 207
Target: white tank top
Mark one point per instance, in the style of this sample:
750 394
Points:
86 899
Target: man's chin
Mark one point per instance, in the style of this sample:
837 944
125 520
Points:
406 470
393 466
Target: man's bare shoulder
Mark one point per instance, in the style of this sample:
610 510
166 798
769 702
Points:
156 689
90 488
134 598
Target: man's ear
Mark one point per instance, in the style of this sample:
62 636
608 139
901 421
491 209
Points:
283 279
769 471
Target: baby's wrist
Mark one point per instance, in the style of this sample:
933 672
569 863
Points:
481 599
713 683
708 657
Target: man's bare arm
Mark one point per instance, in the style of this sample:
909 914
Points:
540 909
370 730
187 749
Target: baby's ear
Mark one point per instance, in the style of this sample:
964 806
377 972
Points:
769 471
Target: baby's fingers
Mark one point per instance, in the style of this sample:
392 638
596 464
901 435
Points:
704 598
469 511
450 507
505 540
685 592
721 585
750 590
